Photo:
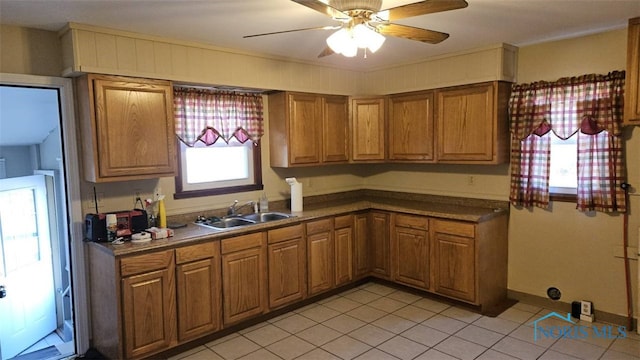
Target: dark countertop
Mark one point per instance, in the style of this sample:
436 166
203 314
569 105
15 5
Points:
456 209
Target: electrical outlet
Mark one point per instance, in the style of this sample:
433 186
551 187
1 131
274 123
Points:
99 196
586 308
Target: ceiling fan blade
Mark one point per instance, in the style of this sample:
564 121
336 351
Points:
320 6
326 52
420 8
413 33
294 30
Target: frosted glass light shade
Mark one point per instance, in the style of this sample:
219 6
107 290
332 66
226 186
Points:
342 42
347 41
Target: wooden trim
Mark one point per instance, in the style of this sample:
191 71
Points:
563 197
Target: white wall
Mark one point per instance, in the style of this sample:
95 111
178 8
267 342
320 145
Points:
18 160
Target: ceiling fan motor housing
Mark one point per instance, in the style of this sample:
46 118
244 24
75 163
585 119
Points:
345 5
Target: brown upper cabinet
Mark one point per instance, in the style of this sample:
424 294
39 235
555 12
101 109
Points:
632 81
411 127
308 129
472 123
367 129
127 128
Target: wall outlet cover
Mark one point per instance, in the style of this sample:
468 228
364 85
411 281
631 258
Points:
587 308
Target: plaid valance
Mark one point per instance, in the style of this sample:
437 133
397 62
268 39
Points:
591 103
208 115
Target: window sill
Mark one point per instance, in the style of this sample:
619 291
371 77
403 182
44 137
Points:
219 191
563 197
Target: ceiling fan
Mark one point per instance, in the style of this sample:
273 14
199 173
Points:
363 24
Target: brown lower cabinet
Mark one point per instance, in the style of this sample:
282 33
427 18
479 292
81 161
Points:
462 260
198 289
454 265
410 250
142 305
320 255
379 244
244 282
148 293
361 253
286 255
343 237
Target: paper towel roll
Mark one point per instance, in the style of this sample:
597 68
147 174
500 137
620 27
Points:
296 194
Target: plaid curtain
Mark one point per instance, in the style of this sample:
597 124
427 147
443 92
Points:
208 115
589 105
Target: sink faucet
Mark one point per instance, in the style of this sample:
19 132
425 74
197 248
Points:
233 209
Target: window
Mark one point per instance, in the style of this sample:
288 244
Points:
219 148
587 112
200 169
563 172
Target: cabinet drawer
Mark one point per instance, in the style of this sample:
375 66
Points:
454 228
287 233
145 263
343 221
319 226
196 252
410 221
241 243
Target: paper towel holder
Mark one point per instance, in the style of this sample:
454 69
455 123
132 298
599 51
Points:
296 194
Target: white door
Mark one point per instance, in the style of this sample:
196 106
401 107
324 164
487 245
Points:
27 312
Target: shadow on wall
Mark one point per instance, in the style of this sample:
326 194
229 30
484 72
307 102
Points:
495 170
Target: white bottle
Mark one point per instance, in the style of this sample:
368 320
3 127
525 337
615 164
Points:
264 203
112 227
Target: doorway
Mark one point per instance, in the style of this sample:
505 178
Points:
40 222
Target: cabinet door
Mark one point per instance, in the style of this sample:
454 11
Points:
632 81
305 129
198 285
287 275
454 265
361 252
243 284
466 123
411 127
148 312
379 242
344 255
335 129
411 257
320 260
367 129
134 129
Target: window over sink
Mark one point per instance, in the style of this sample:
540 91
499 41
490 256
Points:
218 142
218 169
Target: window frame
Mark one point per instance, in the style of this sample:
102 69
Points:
187 194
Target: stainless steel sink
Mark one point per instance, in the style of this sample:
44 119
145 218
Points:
229 223
267 216
241 220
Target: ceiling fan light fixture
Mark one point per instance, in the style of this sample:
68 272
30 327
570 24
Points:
341 42
346 41
367 38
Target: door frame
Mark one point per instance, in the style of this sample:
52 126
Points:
73 199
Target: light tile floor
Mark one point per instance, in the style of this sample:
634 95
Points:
374 321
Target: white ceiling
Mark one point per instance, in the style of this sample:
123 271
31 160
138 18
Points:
223 23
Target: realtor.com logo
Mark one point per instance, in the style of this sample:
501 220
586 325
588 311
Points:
573 330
